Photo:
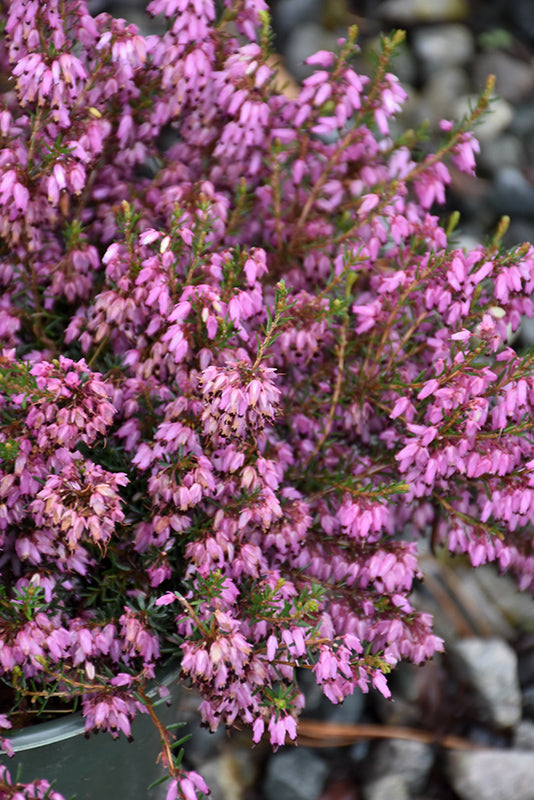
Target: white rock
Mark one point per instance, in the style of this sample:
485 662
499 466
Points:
442 90
524 735
389 787
489 666
295 774
402 758
444 45
492 775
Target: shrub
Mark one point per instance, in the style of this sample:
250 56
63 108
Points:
243 371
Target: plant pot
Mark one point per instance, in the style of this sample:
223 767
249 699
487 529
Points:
98 766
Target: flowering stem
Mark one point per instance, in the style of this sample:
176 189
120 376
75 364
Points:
192 613
166 754
337 391
280 308
467 518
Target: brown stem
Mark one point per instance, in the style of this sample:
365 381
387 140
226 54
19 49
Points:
166 753
393 358
192 614
320 734
337 392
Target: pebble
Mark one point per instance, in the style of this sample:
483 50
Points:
230 774
296 774
514 78
522 14
403 758
489 125
290 14
305 40
506 151
521 230
512 194
528 701
405 64
492 774
440 46
523 120
135 14
413 11
501 590
389 787
524 735
347 712
203 745
489 667
441 91
413 688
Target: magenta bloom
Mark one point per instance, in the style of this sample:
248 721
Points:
242 373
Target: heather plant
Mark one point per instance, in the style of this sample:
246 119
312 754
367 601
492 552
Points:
243 370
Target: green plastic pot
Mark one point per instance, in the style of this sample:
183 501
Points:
98 767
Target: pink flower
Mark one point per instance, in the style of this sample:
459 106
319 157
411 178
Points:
463 153
280 727
257 729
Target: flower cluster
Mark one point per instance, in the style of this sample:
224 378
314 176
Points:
243 368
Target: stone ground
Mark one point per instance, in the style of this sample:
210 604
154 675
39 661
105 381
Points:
462 726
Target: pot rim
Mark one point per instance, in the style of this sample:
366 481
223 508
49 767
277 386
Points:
53 731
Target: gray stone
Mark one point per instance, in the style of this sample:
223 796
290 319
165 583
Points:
304 41
204 745
524 735
492 775
296 774
467 240
442 90
404 64
409 115
482 609
506 151
523 121
231 774
528 701
359 751
404 758
514 79
527 323
410 12
347 712
490 125
521 230
410 685
523 15
442 46
489 666
502 591
512 194
288 14
134 13
389 787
